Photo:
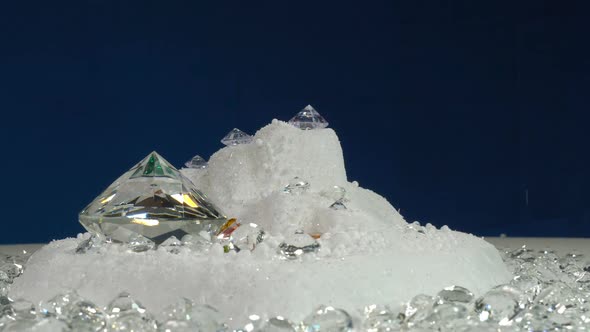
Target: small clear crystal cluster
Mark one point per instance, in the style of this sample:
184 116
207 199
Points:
307 119
549 292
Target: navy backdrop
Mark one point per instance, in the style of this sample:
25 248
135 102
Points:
453 110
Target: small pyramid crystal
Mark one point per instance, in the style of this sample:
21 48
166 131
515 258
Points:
236 137
196 162
154 200
338 205
308 118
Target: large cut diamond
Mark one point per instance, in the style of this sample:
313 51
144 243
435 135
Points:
152 199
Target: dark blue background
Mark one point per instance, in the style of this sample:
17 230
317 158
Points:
452 110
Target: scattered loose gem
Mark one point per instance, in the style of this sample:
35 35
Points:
124 304
11 271
171 244
21 309
196 162
197 242
247 236
328 319
139 243
298 244
92 244
296 186
85 316
500 305
153 199
59 305
132 322
454 294
380 319
236 137
200 317
338 205
335 193
254 324
227 229
278 324
308 118
419 307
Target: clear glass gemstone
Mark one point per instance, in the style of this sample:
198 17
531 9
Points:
380 319
173 325
196 162
254 323
171 245
336 193
308 118
200 242
11 271
278 324
23 309
200 317
454 294
529 285
4 288
59 305
500 305
338 205
534 318
236 137
92 244
50 325
139 243
154 200
448 311
247 236
297 245
132 322
85 316
419 307
18 325
124 304
328 319
296 186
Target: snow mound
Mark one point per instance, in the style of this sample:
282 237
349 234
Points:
369 254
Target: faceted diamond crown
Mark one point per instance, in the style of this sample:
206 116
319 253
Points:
308 118
153 199
196 162
235 137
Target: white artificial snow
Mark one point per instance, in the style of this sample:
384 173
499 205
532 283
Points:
368 255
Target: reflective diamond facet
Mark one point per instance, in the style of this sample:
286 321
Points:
308 118
153 199
338 205
196 162
296 186
236 137
297 245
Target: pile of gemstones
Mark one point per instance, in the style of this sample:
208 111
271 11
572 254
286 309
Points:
549 292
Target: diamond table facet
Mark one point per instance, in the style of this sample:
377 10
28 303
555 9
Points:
153 199
308 118
236 137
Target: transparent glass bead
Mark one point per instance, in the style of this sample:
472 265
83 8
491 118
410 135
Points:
278 324
454 294
328 319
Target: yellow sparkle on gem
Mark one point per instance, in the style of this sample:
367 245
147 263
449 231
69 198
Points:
226 225
146 222
107 199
